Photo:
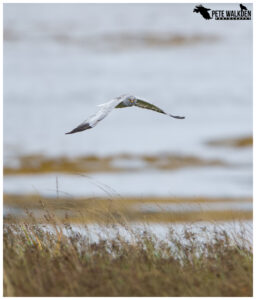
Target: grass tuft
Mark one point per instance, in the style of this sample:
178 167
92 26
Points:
60 261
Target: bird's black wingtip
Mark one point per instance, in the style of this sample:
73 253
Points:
80 128
72 131
177 117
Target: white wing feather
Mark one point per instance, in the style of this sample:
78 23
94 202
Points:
93 120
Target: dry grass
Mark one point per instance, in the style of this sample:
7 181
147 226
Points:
40 263
40 164
45 256
234 142
108 210
117 42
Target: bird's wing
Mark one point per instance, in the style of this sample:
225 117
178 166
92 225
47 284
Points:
146 105
104 110
121 105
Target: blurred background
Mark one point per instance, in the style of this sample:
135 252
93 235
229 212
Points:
61 60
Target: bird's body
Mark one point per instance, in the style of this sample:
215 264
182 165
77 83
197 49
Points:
119 102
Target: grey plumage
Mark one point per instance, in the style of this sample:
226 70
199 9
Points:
119 102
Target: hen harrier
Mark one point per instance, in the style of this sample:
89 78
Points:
119 102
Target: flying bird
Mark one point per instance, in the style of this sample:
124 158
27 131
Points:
203 11
119 102
243 7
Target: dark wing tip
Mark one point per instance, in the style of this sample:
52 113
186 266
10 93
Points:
177 117
72 131
80 128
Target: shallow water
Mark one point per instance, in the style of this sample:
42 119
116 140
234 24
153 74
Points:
247 206
203 232
209 182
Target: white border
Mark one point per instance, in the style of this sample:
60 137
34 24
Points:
128 1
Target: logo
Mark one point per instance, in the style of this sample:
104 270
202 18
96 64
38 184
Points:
240 14
203 11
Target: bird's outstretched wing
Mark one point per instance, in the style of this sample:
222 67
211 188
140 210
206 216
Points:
146 105
104 110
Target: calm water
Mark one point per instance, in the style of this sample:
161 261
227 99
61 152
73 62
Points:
60 61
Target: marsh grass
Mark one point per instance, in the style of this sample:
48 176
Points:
241 142
64 262
40 164
109 209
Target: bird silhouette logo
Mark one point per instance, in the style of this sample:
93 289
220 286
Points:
203 11
243 7
220 14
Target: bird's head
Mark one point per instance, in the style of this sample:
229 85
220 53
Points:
130 100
